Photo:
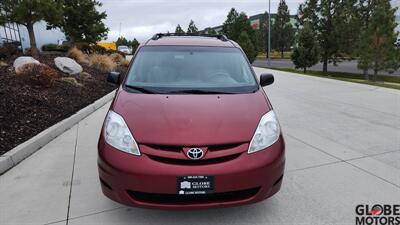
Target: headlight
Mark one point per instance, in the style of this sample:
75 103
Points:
117 134
267 133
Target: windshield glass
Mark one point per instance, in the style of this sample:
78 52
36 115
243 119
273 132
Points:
171 69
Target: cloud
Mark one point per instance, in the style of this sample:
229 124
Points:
141 19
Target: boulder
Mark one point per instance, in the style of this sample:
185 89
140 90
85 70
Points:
23 60
68 65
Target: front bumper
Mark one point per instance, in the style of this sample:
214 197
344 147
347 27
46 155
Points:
143 182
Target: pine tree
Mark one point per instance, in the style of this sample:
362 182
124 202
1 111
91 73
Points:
377 50
306 53
29 12
308 14
282 31
236 24
122 41
192 29
348 27
179 30
134 45
365 8
262 33
328 38
247 46
228 28
210 31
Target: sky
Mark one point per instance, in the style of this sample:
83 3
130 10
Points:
141 19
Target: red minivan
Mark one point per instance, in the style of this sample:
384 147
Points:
190 127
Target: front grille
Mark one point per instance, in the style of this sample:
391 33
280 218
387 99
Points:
177 148
214 148
176 155
194 162
193 199
168 148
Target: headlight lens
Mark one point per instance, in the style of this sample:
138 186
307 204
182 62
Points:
118 135
267 133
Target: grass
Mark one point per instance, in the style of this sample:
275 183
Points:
78 55
383 80
275 55
103 63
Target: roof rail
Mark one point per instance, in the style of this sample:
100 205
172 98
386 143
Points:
160 35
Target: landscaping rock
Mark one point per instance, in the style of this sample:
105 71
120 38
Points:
68 65
23 60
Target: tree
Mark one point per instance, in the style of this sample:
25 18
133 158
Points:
324 17
179 30
282 31
327 34
247 46
228 28
122 41
29 12
377 50
192 29
365 8
236 24
348 27
134 45
306 53
82 22
308 14
210 31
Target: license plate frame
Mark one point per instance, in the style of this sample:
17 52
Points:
195 185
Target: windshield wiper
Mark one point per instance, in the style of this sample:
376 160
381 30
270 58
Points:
194 91
140 89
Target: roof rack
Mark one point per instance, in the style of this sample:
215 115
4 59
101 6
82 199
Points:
160 35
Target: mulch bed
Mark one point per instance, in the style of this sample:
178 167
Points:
26 110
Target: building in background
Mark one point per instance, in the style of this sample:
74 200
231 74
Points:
12 33
255 21
9 33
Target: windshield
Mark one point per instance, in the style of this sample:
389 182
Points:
171 69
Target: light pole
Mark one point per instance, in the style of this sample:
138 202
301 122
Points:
269 33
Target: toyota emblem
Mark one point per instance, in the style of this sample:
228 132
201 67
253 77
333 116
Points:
195 153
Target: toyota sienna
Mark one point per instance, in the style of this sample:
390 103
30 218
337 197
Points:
190 127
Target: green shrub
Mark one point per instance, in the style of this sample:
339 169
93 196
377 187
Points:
90 49
56 48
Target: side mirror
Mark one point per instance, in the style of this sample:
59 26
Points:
114 77
266 79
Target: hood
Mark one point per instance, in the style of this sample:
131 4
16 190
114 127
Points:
191 120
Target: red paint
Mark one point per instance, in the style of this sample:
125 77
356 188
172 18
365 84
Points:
221 125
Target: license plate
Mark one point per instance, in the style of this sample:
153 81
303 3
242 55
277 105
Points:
195 185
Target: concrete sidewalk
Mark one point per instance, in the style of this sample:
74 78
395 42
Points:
343 149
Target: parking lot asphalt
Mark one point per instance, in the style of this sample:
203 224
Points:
342 67
342 146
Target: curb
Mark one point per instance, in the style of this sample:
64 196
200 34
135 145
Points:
24 150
